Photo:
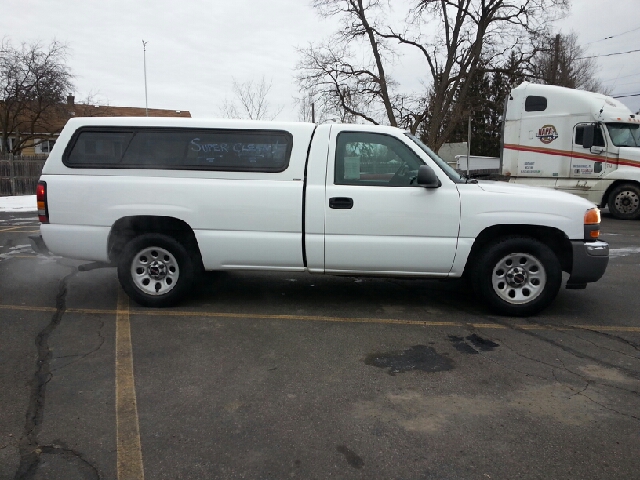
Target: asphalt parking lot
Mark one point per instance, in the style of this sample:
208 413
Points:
271 376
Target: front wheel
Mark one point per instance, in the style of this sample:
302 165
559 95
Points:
155 270
517 276
624 201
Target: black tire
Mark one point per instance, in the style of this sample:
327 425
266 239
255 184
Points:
517 276
624 201
156 270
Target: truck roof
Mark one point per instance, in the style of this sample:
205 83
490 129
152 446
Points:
569 101
205 123
183 122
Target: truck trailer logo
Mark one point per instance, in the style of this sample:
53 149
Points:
547 134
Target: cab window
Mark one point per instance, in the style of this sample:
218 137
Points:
624 134
534 103
598 138
374 159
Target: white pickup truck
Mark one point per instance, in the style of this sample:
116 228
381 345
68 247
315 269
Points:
163 199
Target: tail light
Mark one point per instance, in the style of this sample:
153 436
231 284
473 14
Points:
41 197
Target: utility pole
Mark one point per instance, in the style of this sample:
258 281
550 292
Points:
556 54
146 106
469 144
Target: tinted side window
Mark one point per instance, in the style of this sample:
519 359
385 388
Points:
598 138
535 104
374 159
156 149
98 148
189 149
265 152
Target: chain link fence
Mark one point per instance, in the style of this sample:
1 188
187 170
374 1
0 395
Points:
19 174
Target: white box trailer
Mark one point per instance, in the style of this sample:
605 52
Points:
580 142
477 162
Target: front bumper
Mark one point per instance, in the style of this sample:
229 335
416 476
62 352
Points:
590 260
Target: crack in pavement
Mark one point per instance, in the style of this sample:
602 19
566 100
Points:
509 367
609 408
535 360
633 345
582 377
572 351
597 345
78 357
30 449
581 392
576 391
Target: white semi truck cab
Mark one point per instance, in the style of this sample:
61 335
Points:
579 142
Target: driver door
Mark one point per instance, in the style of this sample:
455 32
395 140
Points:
376 219
588 162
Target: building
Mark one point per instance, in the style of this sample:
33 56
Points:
39 135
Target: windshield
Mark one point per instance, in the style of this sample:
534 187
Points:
446 168
624 134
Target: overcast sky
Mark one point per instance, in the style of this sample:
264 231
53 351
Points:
196 47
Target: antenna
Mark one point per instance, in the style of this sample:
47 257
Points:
144 48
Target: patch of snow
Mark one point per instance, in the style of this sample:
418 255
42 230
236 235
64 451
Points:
45 259
623 252
22 203
17 250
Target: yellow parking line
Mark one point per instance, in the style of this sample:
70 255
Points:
9 229
127 427
312 318
319 318
19 231
487 325
27 308
607 328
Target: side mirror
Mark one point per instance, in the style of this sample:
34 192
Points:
427 177
589 134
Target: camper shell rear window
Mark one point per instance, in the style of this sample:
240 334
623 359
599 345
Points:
180 149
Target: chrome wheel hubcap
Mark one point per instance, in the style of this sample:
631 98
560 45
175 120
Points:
518 278
155 271
627 201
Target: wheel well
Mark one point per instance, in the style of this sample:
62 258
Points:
555 239
605 197
127 228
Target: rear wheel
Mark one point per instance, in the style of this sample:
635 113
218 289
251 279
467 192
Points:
517 276
624 201
155 270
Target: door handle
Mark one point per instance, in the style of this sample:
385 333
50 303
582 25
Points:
341 203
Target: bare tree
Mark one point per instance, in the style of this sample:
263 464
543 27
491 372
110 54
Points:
34 81
346 86
562 61
252 98
454 37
